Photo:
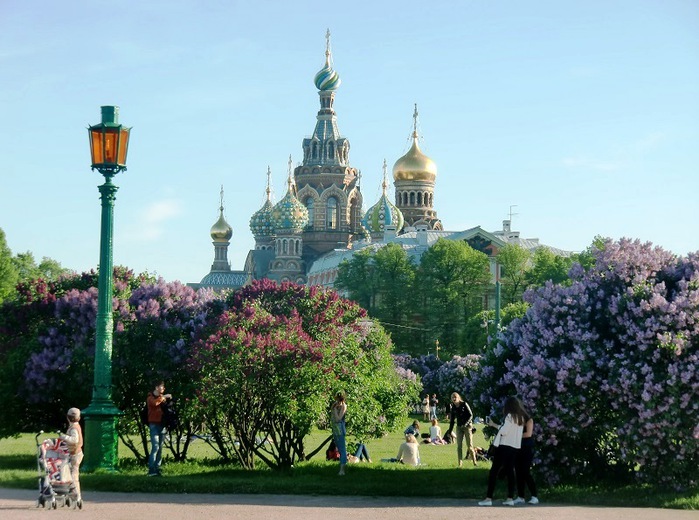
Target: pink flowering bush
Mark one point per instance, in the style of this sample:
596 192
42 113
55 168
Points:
268 368
608 367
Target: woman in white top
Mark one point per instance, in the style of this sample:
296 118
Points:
436 433
507 443
408 453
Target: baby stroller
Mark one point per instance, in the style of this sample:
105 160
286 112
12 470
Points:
55 483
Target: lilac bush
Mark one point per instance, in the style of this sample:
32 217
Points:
607 366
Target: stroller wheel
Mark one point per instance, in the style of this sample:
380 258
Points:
69 503
54 504
80 503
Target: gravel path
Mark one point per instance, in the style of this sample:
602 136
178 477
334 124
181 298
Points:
18 504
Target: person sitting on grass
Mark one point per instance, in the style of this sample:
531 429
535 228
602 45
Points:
409 452
413 429
436 433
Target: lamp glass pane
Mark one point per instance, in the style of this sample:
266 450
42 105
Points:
111 143
97 144
123 145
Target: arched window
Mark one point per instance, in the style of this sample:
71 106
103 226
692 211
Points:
419 198
412 198
331 151
332 213
309 202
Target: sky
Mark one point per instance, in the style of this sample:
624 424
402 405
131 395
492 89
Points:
581 118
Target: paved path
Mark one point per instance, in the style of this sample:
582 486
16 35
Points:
18 504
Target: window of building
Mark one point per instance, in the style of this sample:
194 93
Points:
332 213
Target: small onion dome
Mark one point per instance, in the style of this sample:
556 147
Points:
261 221
289 214
221 231
381 215
327 78
415 165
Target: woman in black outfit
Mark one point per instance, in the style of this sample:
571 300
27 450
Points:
461 413
523 464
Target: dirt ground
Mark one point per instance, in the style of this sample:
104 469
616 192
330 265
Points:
20 504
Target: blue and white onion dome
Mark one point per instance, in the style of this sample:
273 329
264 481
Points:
383 213
289 214
327 78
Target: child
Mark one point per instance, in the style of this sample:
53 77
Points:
74 439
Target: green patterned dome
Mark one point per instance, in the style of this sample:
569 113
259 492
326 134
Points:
261 221
289 214
381 215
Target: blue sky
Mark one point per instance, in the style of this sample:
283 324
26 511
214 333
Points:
583 114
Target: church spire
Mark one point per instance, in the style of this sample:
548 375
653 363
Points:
326 147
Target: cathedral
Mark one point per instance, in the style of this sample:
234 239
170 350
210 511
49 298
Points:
318 223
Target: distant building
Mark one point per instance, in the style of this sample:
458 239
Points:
318 223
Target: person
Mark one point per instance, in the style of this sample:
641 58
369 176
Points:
461 413
74 439
409 452
362 453
507 443
413 429
433 406
523 463
436 433
332 453
337 420
426 407
156 427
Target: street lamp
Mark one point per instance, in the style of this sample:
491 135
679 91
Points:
109 143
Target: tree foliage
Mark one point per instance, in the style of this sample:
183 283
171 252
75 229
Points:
516 263
8 271
283 351
452 278
608 365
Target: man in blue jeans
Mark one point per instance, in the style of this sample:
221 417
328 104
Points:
155 425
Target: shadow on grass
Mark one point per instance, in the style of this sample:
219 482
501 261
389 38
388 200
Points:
17 462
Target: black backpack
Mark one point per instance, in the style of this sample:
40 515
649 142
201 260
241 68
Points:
143 414
170 418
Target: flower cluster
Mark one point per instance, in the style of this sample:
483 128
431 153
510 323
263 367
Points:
607 366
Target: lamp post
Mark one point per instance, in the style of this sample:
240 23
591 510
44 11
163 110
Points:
109 143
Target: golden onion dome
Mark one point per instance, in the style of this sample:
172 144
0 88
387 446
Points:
221 231
415 165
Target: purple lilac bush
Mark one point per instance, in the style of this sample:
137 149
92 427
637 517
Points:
608 367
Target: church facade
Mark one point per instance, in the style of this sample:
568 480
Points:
318 223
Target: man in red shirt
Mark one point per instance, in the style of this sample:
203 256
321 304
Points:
155 425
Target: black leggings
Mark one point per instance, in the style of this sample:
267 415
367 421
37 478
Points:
504 460
523 464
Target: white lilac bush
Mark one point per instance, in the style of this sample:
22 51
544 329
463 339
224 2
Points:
608 367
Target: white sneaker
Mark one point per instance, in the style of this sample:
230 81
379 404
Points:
519 500
508 502
486 502
533 501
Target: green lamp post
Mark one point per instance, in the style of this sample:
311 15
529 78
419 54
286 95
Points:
109 143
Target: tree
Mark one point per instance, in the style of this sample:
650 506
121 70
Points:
515 262
548 267
283 351
608 366
8 271
452 279
396 274
358 279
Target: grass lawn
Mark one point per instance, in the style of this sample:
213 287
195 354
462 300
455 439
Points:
439 477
